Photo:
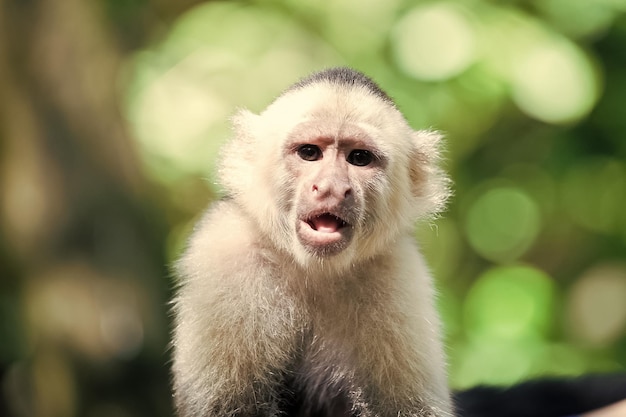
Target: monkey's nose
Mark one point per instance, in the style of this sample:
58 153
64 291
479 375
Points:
324 191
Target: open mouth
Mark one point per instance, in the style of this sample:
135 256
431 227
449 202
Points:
324 233
326 223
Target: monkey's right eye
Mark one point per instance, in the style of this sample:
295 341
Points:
309 152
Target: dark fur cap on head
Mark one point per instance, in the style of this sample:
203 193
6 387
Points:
343 76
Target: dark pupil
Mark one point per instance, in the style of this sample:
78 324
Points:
360 157
309 152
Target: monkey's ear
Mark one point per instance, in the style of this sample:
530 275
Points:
430 185
238 157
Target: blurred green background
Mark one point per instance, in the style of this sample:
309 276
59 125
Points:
112 111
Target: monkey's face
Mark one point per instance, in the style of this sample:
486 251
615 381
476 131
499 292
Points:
334 168
331 173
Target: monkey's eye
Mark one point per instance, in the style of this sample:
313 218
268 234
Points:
309 152
360 157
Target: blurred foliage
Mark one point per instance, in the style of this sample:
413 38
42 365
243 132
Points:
112 113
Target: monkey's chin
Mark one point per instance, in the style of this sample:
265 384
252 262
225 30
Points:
323 242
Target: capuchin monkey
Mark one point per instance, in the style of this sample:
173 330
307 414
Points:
302 292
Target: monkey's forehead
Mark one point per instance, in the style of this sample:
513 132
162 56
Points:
354 102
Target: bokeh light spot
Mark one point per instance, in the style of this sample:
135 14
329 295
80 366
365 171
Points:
554 82
596 306
502 223
434 42
509 303
497 363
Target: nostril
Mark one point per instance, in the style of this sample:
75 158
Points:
314 188
347 193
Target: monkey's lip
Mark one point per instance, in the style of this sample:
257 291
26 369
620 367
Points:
323 229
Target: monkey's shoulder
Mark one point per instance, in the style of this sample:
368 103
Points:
223 241
226 225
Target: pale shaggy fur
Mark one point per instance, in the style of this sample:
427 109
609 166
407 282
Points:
256 308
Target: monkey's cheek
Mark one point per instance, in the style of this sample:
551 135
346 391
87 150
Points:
323 243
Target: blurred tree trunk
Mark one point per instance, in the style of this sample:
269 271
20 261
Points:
80 244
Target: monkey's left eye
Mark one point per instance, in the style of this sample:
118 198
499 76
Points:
360 157
309 152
